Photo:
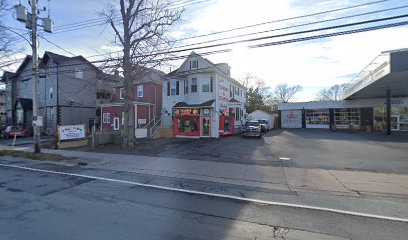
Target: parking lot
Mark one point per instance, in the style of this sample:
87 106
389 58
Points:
304 148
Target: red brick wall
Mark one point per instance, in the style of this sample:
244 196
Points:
116 111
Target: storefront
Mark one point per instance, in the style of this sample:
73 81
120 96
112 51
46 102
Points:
361 114
192 122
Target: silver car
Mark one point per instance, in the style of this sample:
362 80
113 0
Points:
252 129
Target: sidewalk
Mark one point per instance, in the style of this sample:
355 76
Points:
333 182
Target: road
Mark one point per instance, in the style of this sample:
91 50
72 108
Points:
58 205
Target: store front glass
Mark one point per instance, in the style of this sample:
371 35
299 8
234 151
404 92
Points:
347 117
399 118
317 118
227 125
206 126
186 122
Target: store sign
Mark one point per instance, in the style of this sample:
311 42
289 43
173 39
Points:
223 94
291 118
396 102
71 132
186 112
141 121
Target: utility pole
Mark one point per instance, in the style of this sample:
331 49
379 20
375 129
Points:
31 23
36 94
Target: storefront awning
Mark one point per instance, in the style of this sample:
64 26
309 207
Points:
206 104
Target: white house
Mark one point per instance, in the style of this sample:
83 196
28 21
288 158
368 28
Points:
200 99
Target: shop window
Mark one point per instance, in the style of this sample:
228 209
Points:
317 116
194 85
140 91
346 117
187 125
227 125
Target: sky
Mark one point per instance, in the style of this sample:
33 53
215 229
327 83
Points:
314 64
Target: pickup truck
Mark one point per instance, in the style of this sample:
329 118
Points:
251 129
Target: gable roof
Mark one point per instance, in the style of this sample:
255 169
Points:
54 57
175 73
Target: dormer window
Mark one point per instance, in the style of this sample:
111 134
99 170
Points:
193 64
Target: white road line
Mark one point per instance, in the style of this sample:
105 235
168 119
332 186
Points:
358 214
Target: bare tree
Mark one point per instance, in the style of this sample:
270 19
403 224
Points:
141 28
333 93
283 93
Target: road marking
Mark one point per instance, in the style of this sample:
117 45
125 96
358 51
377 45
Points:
333 210
285 158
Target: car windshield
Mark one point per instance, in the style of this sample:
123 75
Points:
253 124
262 121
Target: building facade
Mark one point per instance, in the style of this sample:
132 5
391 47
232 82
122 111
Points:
67 92
201 99
147 104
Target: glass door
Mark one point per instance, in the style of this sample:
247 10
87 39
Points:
206 126
395 126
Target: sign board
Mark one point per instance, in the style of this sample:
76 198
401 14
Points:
141 121
186 112
37 121
140 132
72 132
291 119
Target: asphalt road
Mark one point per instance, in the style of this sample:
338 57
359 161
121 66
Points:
39 205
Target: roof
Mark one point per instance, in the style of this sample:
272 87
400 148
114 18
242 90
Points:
186 105
234 100
215 66
6 76
55 57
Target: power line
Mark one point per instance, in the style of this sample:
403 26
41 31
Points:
265 44
63 49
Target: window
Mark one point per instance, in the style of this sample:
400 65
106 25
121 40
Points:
317 116
211 84
122 93
236 91
187 125
123 118
174 88
106 118
194 85
78 73
50 93
185 86
140 91
237 114
52 115
231 91
194 64
345 117
206 85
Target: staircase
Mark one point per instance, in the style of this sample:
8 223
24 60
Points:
153 127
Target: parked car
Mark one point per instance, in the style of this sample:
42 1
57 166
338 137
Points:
252 129
264 125
18 132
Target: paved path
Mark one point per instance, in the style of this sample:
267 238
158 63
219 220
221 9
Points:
334 182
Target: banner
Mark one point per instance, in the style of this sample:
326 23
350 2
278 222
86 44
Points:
72 132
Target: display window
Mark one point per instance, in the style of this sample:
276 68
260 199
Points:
399 118
317 116
187 126
346 117
227 124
